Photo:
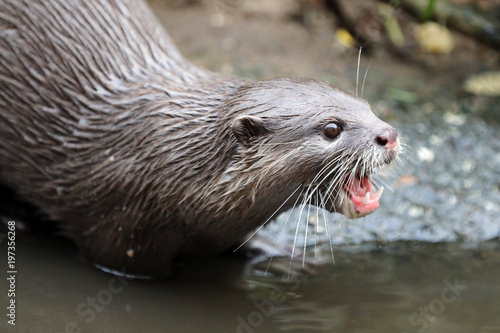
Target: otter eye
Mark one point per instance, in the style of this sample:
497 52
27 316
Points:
332 130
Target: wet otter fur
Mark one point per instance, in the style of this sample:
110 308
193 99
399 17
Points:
144 158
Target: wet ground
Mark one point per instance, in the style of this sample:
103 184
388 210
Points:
427 261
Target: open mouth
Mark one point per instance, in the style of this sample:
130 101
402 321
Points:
361 194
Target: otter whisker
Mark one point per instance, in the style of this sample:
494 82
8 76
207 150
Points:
269 219
306 234
295 240
364 166
328 187
327 166
357 70
309 192
342 173
330 190
348 172
378 183
278 241
352 175
317 225
405 155
364 78
279 143
327 230
340 157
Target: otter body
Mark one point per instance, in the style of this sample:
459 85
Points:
144 158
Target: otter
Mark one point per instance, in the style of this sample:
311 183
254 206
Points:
144 158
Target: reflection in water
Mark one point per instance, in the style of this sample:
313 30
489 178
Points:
403 287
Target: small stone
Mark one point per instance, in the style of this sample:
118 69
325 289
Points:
312 219
468 165
436 140
416 211
454 119
425 154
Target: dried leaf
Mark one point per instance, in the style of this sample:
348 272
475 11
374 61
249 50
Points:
487 84
434 38
345 38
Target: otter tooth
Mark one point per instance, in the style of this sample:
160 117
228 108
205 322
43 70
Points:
366 199
378 194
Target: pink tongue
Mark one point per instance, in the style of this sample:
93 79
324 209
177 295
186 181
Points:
362 196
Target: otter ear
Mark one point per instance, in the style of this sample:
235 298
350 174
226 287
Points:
246 127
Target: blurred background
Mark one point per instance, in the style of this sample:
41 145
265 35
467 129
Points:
427 261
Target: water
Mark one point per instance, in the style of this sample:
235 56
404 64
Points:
404 287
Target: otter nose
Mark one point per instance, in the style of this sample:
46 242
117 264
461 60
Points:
388 138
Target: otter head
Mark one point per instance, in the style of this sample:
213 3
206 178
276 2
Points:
309 137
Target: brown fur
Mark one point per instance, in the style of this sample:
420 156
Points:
141 156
